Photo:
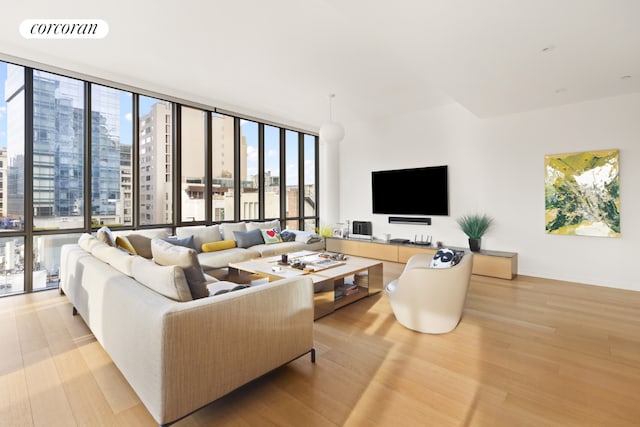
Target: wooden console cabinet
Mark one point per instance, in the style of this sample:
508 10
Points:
503 265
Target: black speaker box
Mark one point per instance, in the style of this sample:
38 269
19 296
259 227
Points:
409 220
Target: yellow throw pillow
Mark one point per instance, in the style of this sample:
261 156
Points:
124 243
218 246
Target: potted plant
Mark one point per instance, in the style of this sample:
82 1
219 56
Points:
474 226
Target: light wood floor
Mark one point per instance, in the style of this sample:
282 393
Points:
528 352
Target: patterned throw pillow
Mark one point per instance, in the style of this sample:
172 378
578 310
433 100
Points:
446 258
271 235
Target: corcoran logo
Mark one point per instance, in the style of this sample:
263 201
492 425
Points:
64 29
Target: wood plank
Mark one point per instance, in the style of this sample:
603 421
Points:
528 352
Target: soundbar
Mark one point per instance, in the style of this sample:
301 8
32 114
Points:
409 220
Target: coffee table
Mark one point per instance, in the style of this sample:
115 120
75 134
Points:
360 276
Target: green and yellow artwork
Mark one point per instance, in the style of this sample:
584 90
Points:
582 193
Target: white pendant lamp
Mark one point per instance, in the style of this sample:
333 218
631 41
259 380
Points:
331 132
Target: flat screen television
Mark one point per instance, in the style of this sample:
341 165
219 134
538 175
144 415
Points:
418 191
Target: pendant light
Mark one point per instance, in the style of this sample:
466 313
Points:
331 132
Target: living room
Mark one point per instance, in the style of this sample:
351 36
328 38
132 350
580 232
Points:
487 89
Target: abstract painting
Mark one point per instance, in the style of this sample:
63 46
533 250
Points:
582 193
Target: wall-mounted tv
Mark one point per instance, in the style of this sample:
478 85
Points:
417 191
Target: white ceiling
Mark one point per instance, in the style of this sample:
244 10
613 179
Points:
279 59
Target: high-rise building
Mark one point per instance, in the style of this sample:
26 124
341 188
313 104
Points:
105 156
3 183
156 165
14 98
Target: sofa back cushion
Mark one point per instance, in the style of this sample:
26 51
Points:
166 280
116 258
227 229
165 253
263 225
201 234
87 241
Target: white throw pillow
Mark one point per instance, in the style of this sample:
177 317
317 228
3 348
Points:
164 253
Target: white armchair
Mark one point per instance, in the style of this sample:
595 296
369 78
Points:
430 300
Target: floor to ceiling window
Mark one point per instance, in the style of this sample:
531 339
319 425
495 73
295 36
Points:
12 173
156 161
193 179
111 151
271 172
77 155
222 167
292 166
248 170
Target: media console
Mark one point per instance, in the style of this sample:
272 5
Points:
502 265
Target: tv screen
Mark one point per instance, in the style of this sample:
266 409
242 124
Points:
418 191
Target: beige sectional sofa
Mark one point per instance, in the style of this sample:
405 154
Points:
225 231
179 356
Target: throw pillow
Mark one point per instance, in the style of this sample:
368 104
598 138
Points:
246 239
165 253
446 258
218 246
201 234
87 241
187 242
141 244
122 242
166 280
271 235
227 229
105 235
219 288
288 236
307 237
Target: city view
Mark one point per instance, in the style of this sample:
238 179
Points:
57 200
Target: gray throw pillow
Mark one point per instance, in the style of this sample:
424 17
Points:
246 239
187 242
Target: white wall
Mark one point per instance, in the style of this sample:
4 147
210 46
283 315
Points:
496 166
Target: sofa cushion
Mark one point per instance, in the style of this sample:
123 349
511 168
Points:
166 280
246 239
87 241
221 259
118 259
280 248
227 229
123 243
263 225
141 239
271 235
307 236
165 253
201 234
105 235
186 242
288 236
223 287
218 246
